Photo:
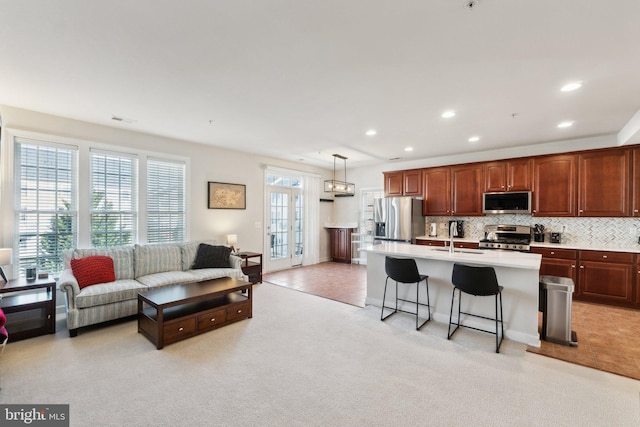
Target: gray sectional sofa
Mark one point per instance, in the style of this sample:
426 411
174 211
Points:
137 268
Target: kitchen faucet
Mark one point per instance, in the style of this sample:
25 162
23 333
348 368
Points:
452 231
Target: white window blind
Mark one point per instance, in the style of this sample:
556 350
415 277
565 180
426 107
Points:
113 199
166 221
45 203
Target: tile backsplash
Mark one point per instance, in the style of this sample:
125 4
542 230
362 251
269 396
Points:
614 232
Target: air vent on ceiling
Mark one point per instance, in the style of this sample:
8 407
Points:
122 119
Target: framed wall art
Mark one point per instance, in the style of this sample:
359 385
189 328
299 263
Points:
222 195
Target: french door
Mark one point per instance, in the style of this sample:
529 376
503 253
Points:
284 228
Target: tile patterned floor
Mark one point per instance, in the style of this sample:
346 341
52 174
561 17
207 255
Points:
607 339
607 336
341 282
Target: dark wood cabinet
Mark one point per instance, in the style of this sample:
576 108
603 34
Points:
466 190
437 191
455 190
636 269
403 183
554 185
635 182
606 276
560 263
465 245
340 239
429 242
508 175
593 183
393 184
412 182
603 183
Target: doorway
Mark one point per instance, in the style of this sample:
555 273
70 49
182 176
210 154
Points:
285 222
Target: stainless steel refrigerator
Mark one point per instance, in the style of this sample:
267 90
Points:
397 219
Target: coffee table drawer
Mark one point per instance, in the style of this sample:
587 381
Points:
212 319
239 311
177 330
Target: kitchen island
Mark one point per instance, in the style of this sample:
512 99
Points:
517 272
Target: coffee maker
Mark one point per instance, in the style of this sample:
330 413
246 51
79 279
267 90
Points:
458 231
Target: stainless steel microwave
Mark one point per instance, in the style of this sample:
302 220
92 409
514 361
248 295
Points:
511 202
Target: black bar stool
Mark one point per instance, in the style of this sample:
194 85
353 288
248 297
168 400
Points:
405 270
476 281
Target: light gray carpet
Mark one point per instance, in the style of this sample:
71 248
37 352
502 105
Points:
308 361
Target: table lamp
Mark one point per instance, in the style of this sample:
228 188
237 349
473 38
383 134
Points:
6 258
232 240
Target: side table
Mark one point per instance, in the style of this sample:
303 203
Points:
30 307
253 269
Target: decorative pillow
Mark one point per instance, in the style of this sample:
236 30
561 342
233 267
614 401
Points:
122 259
92 270
212 257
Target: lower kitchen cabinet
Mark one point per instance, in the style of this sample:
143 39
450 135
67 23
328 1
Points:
560 263
429 242
599 276
340 244
606 277
636 268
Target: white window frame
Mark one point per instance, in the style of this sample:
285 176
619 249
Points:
7 191
125 210
38 258
174 210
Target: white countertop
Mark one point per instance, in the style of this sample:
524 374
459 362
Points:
470 256
341 225
584 247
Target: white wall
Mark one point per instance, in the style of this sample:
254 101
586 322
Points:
207 163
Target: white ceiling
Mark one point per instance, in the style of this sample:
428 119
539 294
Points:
303 79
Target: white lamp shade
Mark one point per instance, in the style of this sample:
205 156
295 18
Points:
6 256
232 239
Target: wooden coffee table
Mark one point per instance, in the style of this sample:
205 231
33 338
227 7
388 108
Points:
171 314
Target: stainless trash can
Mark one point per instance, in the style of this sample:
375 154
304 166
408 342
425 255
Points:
555 304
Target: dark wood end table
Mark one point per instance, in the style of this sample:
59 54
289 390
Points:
30 306
252 269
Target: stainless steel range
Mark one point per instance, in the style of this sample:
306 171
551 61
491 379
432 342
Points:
506 237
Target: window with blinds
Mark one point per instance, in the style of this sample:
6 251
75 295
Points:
45 204
113 199
165 201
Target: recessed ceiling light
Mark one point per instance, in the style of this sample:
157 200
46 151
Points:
371 132
474 139
408 149
571 86
565 124
448 114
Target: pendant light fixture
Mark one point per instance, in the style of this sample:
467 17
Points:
339 188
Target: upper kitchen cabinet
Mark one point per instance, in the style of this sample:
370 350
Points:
508 175
437 191
466 190
392 184
554 185
403 183
635 202
455 190
603 183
